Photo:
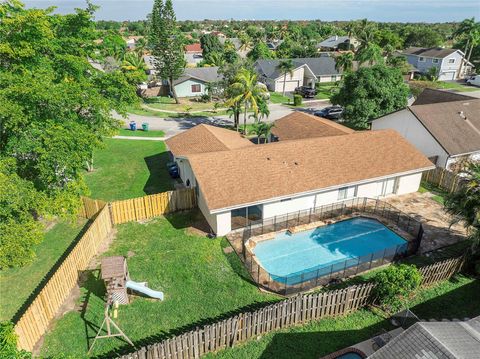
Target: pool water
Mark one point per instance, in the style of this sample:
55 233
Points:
294 258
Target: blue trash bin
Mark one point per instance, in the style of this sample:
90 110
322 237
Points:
133 126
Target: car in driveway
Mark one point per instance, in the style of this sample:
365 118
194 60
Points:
474 81
305 92
331 112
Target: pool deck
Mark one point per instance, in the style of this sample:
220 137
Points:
435 220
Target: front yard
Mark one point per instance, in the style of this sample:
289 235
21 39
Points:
129 168
201 284
17 284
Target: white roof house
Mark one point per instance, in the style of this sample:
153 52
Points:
233 178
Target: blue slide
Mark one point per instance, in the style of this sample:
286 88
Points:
142 288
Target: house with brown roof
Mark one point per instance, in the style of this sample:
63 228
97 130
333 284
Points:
236 181
444 126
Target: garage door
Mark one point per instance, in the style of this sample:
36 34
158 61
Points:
447 76
289 86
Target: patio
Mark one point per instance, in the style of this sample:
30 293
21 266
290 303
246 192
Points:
435 221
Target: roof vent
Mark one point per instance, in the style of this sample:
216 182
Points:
295 163
268 158
462 115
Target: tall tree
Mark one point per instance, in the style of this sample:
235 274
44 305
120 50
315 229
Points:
370 53
369 93
285 67
166 43
344 62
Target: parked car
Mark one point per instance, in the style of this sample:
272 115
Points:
332 112
305 91
474 80
173 169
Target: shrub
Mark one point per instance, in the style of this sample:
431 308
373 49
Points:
297 100
395 283
8 343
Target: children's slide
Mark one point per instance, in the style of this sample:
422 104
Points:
142 288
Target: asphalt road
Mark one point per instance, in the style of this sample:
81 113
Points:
172 126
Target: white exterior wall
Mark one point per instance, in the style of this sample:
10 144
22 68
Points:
186 172
409 127
408 184
185 88
329 78
278 208
292 81
221 223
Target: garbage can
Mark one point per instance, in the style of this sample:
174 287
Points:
145 126
133 125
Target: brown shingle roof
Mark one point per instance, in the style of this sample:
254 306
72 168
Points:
300 125
429 96
455 125
282 169
205 138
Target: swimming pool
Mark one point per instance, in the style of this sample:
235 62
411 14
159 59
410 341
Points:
295 258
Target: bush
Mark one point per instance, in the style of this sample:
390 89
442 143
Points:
395 283
297 100
8 343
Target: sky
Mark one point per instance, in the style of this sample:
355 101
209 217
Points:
327 10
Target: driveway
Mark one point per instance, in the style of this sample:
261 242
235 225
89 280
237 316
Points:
173 126
435 220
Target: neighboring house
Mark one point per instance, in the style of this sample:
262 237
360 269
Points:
132 41
299 125
335 43
450 63
434 340
192 83
237 44
307 71
234 179
444 126
150 66
193 54
274 44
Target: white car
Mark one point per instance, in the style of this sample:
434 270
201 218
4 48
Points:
474 80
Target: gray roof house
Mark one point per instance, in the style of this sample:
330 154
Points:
334 43
450 63
307 71
444 126
435 340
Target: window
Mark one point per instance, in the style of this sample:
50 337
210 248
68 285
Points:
347 192
342 193
435 61
451 61
421 59
196 88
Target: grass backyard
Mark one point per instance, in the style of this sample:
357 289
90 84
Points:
201 284
16 284
127 169
140 133
453 86
168 104
156 110
438 194
457 298
324 90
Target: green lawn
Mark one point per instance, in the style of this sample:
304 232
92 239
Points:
140 133
276 97
324 90
127 169
139 110
17 284
201 284
457 298
456 87
168 104
438 193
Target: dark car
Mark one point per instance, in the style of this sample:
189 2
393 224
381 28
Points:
332 112
306 92
173 169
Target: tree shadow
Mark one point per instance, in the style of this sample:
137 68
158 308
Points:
159 179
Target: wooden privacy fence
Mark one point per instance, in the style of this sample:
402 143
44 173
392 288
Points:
35 320
225 334
443 178
289 312
90 207
152 206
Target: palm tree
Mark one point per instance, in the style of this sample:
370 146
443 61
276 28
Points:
133 61
344 62
371 53
262 129
464 204
285 67
365 33
215 59
247 92
469 30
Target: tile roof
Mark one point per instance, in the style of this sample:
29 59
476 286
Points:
193 48
300 125
205 138
261 172
455 124
435 340
437 52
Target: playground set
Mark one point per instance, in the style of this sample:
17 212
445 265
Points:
114 272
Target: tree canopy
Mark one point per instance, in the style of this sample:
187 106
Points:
369 93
